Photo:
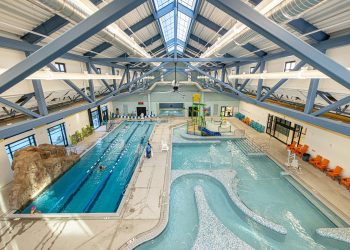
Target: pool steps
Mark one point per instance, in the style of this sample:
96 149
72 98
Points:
226 177
248 147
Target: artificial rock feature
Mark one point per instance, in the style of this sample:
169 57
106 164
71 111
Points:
35 168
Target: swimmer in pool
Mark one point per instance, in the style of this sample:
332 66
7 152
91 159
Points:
101 168
34 210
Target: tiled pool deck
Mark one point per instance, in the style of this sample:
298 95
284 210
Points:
143 212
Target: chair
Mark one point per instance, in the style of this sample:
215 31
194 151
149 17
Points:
300 152
334 173
291 146
323 165
315 160
345 182
165 146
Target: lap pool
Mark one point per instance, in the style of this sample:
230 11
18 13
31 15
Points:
258 184
84 188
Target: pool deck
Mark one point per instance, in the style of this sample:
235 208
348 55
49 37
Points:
143 212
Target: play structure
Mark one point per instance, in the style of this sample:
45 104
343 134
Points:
197 124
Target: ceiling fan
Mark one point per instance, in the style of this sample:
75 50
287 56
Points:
175 85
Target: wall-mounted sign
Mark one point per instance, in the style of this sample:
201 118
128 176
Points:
140 103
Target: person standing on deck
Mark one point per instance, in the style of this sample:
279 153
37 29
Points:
148 150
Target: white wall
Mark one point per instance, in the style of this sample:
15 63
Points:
330 145
156 97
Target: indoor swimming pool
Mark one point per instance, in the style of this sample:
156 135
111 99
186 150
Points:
86 188
261 187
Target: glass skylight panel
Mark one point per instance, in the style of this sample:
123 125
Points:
159 4
171 48
188 3
167 25
183 24
180 49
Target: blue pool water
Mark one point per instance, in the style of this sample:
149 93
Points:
86 189
260 186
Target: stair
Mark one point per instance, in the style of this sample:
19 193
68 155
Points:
248 148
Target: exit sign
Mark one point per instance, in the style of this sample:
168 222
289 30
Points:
140 103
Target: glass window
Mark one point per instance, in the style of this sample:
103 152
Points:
162 3
183 24
167 24
95 117
61 67
288 66
188 3
57 135
11 148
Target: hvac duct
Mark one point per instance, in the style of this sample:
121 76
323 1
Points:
75 12
281 14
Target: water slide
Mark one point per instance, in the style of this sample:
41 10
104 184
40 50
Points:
208 132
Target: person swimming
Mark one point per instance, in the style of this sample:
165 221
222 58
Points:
101 168
34 210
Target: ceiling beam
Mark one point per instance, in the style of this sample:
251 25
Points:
211 25
68 40
275 33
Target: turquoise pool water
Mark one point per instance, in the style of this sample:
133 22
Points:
86 189
259 185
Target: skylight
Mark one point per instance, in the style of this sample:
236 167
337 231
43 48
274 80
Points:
183 24
167 22
167 25
162 3
188 3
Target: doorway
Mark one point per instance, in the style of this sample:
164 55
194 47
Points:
140 110
227 111
96 119
105 116
283 130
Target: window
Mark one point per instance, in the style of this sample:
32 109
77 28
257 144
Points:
188 3
251 70
167 23
288 66
95 119
17 145
57 135
61 67
98 70
162 3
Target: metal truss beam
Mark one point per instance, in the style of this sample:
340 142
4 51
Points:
70 84
46 28
140 25
285 39
193 19
200 40
281 82
171 59
311 96
252 48
304 27
151 40
332 106
98 49
211 25
19 108
68 40
91 82
129 83
40 97
260 81
245 83
104 82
